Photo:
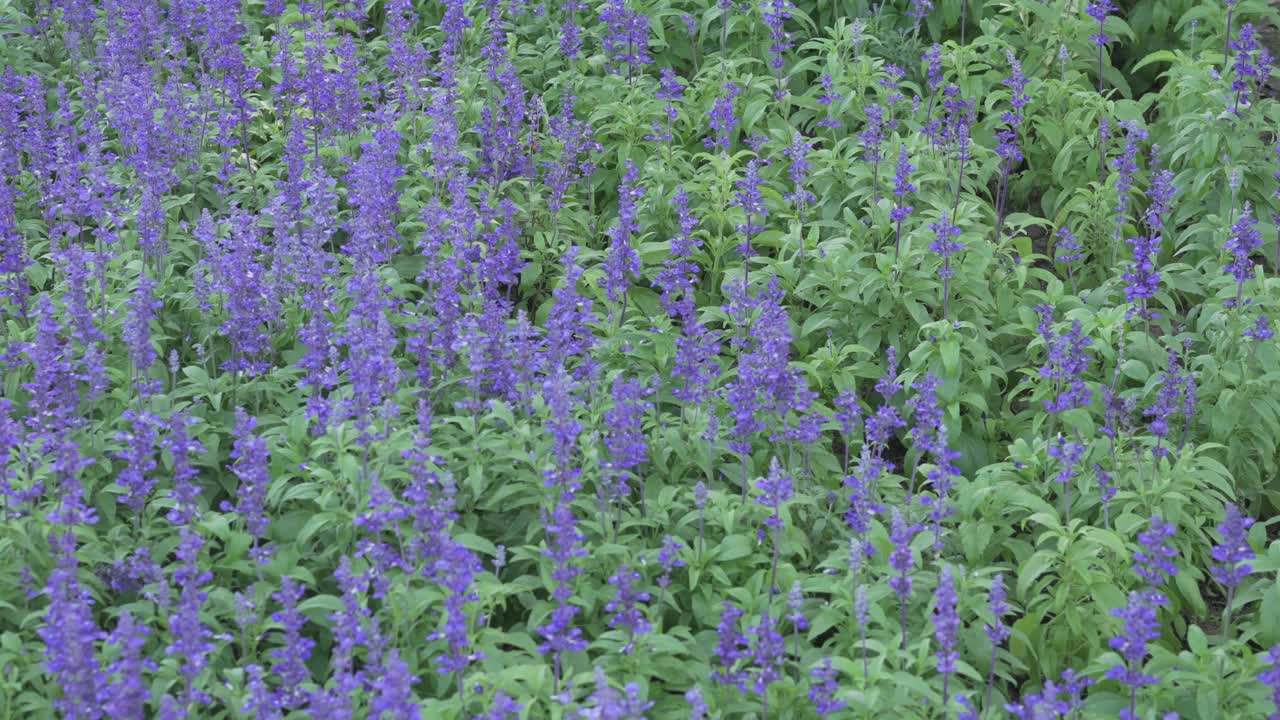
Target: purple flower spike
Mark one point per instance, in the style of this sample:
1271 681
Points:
903 562
731 647
626 608
1244 240
722 119
1153 563
252 458
823 689
946 623
1271 678
1140 626
622 262
1233 557
1261 330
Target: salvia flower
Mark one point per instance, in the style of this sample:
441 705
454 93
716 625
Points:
927 415
1067 250
669 559
945 245
1140 627
1107 492
679 272
191 639
127 695
1242 242
795 603
393 691
295 648
622 261
1233 554
370 339
626 36
903 563
731 646
671 91
918 12
1008 149
1035 706
1018 97
1271 678
892 85
1153 562
901 188
570 31
624 436
69 635
722 119
957 121
887 385
872 137
261 703
768 651
140 443
823 688
1142 276
143 306
181 447
861 483
1099 10
1073 686
997 631
1261 330
697 706
1126 167
566 544
1167 403
1160 193
1068 454
766 384
776 13
776 488
751 201
756 141
946 624
798 152
933 67
848 412
829 99
607 702
251 459
625 606
569 335
1065 364
1252 65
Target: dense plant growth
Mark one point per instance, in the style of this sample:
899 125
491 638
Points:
638 358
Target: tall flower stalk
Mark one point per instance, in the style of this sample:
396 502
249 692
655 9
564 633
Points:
1099 10
901 187
1008 151
996 630
1233 556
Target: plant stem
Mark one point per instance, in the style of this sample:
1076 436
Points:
991 677
1226 43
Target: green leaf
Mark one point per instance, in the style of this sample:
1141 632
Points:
1159 56
734 547
950 351
1031 570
